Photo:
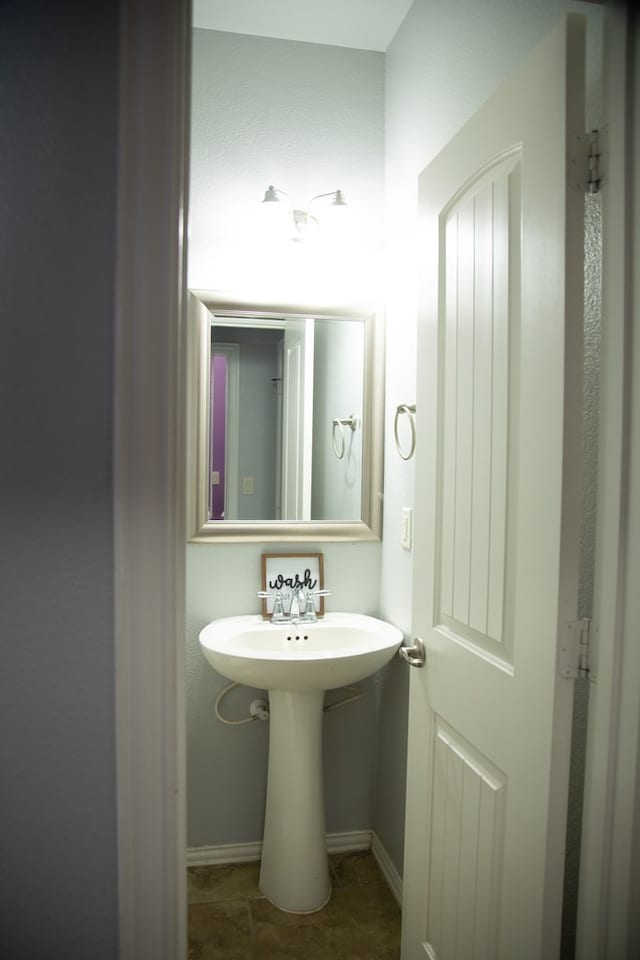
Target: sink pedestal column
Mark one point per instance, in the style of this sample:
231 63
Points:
294 873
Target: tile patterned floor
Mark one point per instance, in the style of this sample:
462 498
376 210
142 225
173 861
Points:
229 919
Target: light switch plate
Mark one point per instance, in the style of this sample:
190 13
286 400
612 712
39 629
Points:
406 537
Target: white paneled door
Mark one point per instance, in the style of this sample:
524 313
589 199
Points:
497 517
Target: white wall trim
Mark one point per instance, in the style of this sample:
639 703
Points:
149 523
387 867
222 853
219 854
349 842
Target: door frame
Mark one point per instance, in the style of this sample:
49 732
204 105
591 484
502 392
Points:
149 477
607 926
149 524
297 430
232 417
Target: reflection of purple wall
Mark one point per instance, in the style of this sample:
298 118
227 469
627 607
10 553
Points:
218 431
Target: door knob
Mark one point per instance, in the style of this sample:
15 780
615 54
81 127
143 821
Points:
414 653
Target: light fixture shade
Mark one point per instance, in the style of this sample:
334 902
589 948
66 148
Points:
271 195
336 219
275 215
281 219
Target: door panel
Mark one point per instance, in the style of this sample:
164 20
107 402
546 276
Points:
467 834
497 495
481 232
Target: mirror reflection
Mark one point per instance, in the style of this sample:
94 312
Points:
285 418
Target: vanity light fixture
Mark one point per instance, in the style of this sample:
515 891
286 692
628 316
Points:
299 224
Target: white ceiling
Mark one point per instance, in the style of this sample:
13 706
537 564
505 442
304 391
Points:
364 24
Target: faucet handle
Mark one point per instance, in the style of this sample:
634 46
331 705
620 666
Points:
310 606
278 608
319 593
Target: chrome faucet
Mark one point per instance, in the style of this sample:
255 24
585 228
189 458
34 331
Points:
301 605
277 614
306 606
298 604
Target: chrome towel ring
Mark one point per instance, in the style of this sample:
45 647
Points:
409 409
338 438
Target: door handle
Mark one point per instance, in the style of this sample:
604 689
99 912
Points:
414 653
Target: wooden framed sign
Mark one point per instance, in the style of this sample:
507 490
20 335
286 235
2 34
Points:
286 573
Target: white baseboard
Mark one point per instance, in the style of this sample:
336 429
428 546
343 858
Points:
346 842
224 853
387 867
336 843
245 852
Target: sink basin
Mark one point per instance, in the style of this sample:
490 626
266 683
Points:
339 649
296 663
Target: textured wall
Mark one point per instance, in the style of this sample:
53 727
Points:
59 87
306 117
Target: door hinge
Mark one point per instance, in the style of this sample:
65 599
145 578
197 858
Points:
584 165
574 650
593 179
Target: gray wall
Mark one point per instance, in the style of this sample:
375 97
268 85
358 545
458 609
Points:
58 77
306 117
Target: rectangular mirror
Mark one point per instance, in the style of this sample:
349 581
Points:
285 420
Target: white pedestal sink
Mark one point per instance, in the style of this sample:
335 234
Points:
296 663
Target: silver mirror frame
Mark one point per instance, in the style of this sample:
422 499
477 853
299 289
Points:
203 303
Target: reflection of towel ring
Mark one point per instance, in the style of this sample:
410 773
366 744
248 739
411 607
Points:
340 448
409 409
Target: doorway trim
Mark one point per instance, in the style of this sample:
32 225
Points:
607 925
149 483
232 430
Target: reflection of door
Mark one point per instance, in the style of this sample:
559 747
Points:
297 419
496 525
224 431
